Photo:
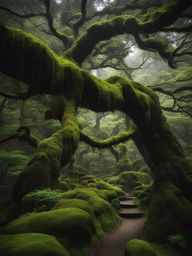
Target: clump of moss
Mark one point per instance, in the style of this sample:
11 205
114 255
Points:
31 244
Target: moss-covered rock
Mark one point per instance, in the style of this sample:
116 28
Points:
137 247
73 203
73 225
110 194
97 200
31 244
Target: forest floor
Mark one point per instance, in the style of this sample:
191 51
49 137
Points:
130 227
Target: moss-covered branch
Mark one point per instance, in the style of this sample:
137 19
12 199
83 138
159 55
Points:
155 45
100 31
119 9
114 140
26 58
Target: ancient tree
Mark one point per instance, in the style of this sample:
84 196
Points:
26 58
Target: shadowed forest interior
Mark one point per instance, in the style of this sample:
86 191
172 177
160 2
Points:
96 128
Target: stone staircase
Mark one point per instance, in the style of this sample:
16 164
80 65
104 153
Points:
128 208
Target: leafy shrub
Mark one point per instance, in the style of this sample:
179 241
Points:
178 240
39 200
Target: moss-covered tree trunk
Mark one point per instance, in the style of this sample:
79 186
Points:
52 153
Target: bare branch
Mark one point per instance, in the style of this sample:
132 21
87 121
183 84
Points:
23 134
26 16
79 23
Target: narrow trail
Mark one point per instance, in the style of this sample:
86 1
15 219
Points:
130 227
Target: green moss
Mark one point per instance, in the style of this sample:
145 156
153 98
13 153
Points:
110 194
31 244
168 209
76 203
72 225
43 169
102 209
131 179
143 193
116 204
63 185
107 186
137 247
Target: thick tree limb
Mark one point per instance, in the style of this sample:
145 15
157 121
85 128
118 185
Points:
52 153
114 140
118 10
124 24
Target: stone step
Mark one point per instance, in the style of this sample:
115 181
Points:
127 205
123 198
135 214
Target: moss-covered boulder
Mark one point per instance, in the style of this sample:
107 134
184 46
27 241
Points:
73 203
97 200
137 247
73 225
31 244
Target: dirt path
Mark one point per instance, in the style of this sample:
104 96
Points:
130 227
